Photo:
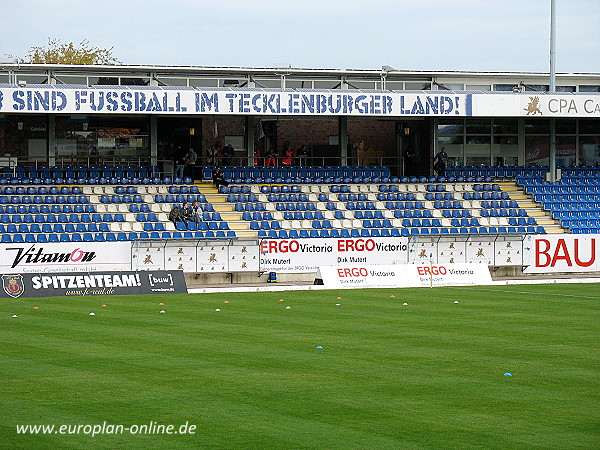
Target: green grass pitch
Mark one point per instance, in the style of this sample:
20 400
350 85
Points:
430 374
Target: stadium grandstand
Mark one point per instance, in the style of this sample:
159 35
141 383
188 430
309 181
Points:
90 153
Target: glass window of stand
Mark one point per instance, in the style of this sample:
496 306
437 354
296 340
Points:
102 141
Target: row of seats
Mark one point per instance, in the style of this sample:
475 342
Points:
563 206
402 196
570 198
112 237
240 207
387 223
299 206
138 198
353 197
61 218
46 208
534 172
582 171
233 173
38 199
487 204
563 189
581 226
295 171
345 189
157 180
590 186
486 196
395 232
366 214
242 198
81 172
201 226
595 214
503 212
352 180
54 227
180 198
496 171
41 190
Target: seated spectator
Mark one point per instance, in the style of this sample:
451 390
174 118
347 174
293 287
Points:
187 213
218 178
196 212
175 215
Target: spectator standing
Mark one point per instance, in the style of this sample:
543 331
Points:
179 161
211 156
218 158
271 159
228 153
409 159
190 160
256 157
302 155
439 162
288 154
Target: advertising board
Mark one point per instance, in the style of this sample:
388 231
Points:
404 275
70 284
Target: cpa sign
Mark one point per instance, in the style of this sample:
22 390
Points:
568 253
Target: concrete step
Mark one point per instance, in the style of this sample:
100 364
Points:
207 188
250 234
555 231
528 205
241 225
223 207
536 213
231 216
216 199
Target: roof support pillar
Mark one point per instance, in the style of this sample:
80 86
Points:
250 140
343 139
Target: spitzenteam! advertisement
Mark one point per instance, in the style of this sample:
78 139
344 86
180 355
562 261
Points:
76 284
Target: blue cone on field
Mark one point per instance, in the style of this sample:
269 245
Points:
508 374
319 346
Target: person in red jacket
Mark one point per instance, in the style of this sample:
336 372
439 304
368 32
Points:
287 157
271 159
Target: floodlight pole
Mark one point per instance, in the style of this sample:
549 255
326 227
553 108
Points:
552 131
552 45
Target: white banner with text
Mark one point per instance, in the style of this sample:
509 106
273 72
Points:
65 257
306 255
561 253
404 275
155 100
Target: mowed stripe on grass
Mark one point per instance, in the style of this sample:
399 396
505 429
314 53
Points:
425 375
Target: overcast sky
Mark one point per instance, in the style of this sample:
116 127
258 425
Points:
470 35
